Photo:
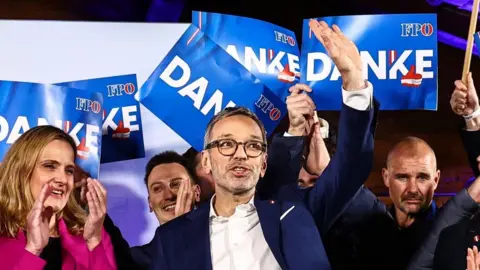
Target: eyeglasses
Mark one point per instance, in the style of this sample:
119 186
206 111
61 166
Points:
228 147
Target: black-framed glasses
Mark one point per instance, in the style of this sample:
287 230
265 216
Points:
228 147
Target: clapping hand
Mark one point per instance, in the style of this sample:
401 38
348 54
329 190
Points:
185 198
38 221
473 259
97 209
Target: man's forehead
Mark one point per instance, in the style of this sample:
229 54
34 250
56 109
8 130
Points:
236 126
166 172
412 163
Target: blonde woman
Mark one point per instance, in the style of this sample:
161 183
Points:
41 224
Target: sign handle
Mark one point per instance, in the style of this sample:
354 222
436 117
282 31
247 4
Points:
471 32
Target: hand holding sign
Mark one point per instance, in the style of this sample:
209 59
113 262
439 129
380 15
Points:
38 221
343 52
464 100
300 109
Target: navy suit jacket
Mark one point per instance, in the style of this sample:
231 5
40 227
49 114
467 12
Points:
290 222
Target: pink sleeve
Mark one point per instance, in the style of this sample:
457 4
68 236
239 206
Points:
15 257
103 257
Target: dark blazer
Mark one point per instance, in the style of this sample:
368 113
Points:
451 250
284 162
295 241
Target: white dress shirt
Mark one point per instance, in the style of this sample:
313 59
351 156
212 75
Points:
237 242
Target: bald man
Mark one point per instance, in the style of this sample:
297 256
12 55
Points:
368 235
411 176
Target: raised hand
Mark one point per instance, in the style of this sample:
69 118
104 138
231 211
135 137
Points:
300 109
97 209
185 198
473 259
318 156
80 178
343 52
38 220
464 100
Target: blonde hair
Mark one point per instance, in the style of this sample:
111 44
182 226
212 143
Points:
16 169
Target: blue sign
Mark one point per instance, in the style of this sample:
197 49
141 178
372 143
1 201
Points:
122 122
269 51
196 80
79 113
399 53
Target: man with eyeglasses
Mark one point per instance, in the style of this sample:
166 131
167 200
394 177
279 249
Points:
237 229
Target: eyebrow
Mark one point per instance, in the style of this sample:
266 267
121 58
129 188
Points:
57 163
163 182
424 174
229 135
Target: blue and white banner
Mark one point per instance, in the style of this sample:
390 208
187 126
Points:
196 80
25 105
122 122
267 50
399 53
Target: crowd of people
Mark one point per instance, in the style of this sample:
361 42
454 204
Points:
298 203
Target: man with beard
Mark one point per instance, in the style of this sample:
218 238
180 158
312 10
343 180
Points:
369 236
238 229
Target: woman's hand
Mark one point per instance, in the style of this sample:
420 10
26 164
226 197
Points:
97 208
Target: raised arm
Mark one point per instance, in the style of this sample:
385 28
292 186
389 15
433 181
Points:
352 162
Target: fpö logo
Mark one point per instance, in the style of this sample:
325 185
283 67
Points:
119 89
417 29
88 105
264 104
281 37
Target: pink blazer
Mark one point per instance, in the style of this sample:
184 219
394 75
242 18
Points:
75 254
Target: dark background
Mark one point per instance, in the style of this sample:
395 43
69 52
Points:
439 128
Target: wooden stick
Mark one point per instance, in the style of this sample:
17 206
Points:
471 32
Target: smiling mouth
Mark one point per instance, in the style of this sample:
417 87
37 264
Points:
169 208
239 171
57 193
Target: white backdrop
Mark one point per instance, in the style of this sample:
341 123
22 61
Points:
55 51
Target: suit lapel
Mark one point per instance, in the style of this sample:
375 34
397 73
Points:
269 215
200 243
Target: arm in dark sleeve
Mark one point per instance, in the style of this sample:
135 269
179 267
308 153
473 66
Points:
121 247
459 208
284 161
349 167
471 143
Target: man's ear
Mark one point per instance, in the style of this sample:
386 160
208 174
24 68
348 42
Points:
150 204
207 167
264 166
436 179
196 193
385 177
